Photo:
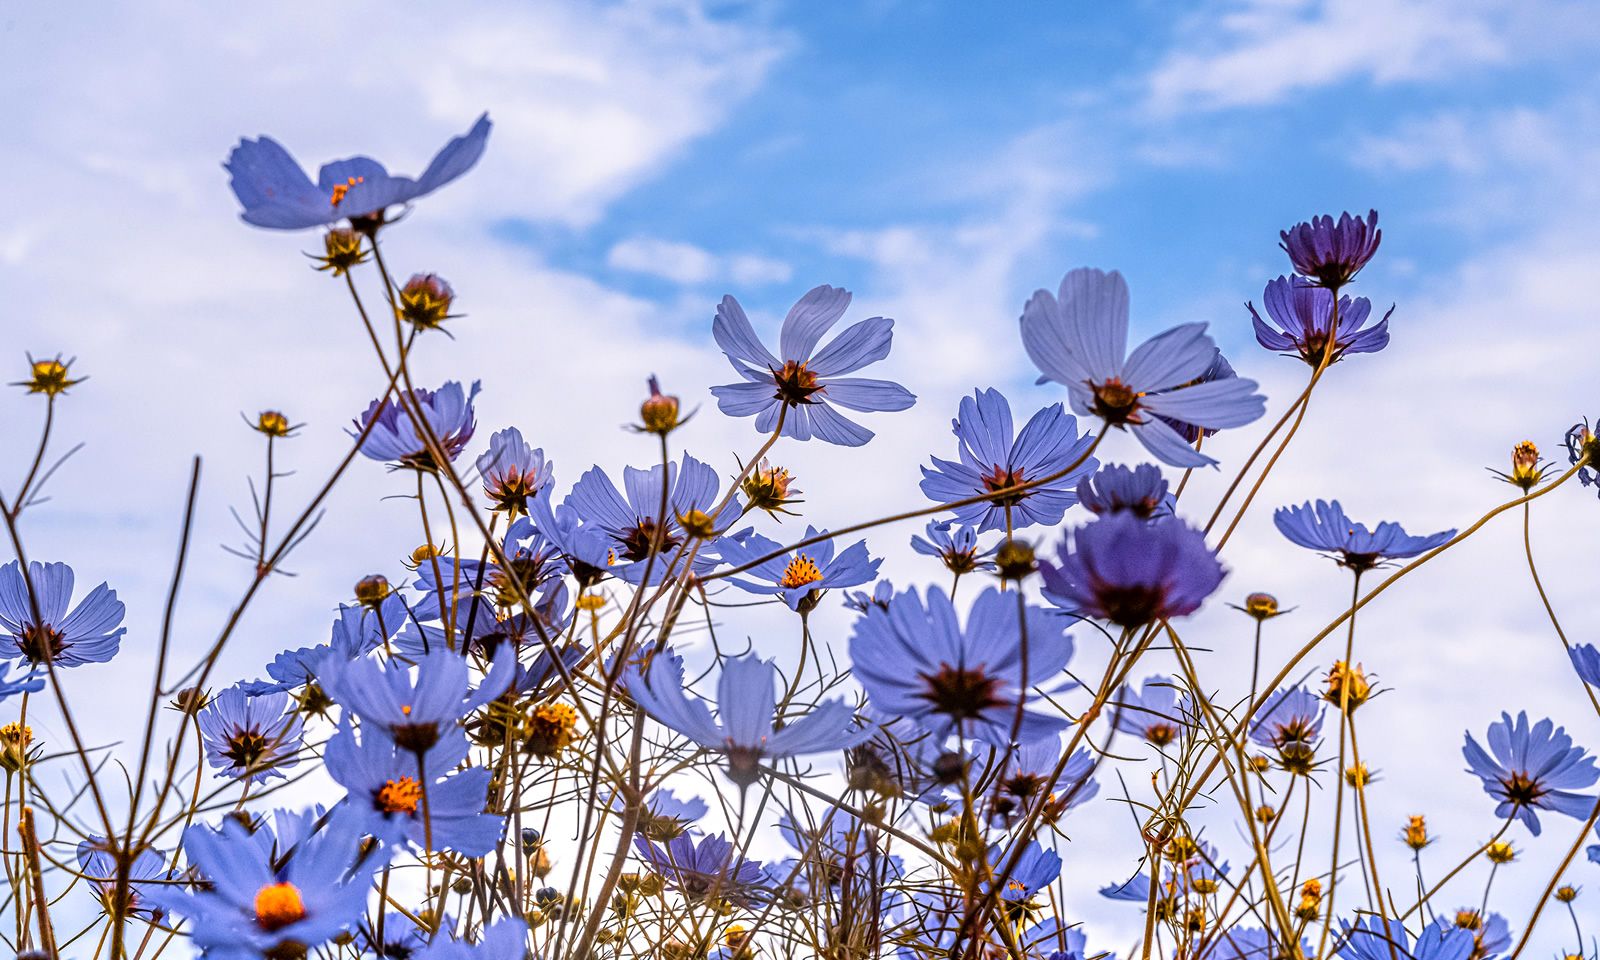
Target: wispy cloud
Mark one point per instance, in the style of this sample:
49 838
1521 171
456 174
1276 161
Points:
686 263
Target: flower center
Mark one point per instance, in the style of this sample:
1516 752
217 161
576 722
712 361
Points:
1521 788
636 543
1116 402
1160 734
246 748
398 796
959 693
340 189
1133 605
795 383
278 905
801 571
1002 478
40 643
415 737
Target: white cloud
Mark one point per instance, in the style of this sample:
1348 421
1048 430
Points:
1260 52
686 263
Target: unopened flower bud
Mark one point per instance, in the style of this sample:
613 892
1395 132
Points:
1014 559
48 377
1415 833
1347 687
1262 606
659 411
425 301
769 488
372 591
272 423
341 248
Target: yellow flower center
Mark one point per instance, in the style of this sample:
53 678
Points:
278 905
340 189
802 570
591 602
399 796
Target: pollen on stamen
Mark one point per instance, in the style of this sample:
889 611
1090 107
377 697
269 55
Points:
340 189
278 905
801 571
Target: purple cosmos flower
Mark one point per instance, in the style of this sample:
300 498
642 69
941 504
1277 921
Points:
1133 572
357 630
1375 938
917 661
743 729
1303 312
250 738
806 382
394 439
419 712
512 471
956 547
1114 488
27 683
861 601
662 816
587 549
1038 867
1289 720
1080 340
993 458
100 867
1254 943
89 634
505 940
276 193
1022 782
1156 713
801 577
1491 933
632 522
254 904
1324 526
1580 440
1332 253
399 796
1532 768
705 870
1220 369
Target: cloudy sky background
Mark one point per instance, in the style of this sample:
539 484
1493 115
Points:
943 162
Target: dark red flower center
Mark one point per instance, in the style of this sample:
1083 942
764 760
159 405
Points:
1115 402
636 543
40 643
795 383
1522 789
1002 478
959 693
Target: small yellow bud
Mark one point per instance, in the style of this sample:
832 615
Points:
48 377
372 591
425 301
341 248
659 411
1501 851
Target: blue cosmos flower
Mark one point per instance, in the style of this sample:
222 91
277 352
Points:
399 797
1332 253
586 549
481 627
1038 867
743 730
799 578
861 601
1290 721
358 630
632 522
394 439
1022 783
956 547
418 712
1491 933
704 870
27 683
805 384
993 457
1254 943
1220 369
1136 889
1532 768
100 867
505 940
276 193
662 816
1580 441
250 738
1080 340
1133 572
1324 526
1586 661
253 907
918 662
1303 313
1155 714
91 633
1375 938
1114 488
512 471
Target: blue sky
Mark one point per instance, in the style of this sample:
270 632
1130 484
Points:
941 160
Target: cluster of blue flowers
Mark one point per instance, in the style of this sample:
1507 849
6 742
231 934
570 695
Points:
901 793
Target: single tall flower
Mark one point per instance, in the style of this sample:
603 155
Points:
916 661
394 438
633 523
799 578
89 634
399 797
1303 312
261 899
1290 722
1532 768
1079 339
1324 526
1332 253
1133 572
995 457
956 547
250 738
743 730
805 384
100 867
276 193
